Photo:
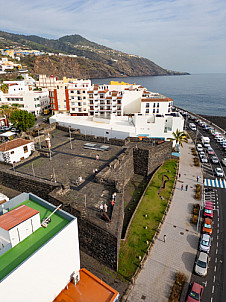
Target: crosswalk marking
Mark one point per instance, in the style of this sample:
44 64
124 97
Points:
217 183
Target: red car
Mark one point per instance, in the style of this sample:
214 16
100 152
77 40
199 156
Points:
195 293
208 212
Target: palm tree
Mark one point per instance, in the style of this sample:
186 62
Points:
179 137
4 88
15 106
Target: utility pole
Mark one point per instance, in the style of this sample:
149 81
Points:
70 136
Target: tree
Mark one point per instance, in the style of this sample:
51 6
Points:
179 137
4 88
22 119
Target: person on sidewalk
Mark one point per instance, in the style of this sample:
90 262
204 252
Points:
164 238
186 188
101 208
182 187
197 178
179 175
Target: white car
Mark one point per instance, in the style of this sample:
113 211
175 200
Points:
219 172
204 159
199 148
201 264
205 243
202 153
214 160
224 161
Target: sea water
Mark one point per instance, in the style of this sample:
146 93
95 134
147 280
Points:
199 93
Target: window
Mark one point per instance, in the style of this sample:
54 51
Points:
153 105
157 110
25 149
157 104
147 110
168 109
153 110
12 152
147 105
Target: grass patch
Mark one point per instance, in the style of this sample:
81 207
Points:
149 214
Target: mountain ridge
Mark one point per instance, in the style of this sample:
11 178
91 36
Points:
93 60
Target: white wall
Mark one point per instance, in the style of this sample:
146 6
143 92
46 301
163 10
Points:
131 102
24 229
45 274
18 153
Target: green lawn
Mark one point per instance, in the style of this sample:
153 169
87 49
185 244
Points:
153 206
12 258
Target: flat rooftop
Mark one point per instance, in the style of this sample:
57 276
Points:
89 288
16 255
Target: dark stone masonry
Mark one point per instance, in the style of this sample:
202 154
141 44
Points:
116 167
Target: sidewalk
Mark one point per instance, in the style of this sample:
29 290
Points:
178 253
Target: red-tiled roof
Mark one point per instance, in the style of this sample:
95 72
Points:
16 216
89 288
14 144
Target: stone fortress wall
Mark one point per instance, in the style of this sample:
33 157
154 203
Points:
98 238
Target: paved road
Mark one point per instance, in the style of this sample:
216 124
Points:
178 253
214 285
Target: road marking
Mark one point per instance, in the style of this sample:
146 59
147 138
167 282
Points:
217 237
213 289
215 268
216 260
217 243
217 231
211 299
216 251
218 225
214 279
218 219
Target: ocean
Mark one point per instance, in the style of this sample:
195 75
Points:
198 93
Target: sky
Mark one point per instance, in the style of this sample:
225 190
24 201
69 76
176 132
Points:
181 35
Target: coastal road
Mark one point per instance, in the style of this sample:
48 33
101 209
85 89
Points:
214 285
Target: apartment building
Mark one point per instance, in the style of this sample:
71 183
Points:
70 98
28 99
153 103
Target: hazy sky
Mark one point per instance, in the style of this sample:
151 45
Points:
183 35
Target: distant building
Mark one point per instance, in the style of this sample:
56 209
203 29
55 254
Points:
22 93
16 150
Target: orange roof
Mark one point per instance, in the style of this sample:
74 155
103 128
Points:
89 288
16 216
14 144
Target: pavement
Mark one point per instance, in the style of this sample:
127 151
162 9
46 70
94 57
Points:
178 252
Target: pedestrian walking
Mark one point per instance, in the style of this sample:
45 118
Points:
101 208
97 157
186 187
164 238
197 178
105 208
51 177
182 187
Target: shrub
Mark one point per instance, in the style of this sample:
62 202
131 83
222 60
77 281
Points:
195 219
180 279
198 195
198 188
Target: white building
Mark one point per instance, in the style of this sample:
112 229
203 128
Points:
40 266
124 126
21 93
17 225
46 265
16 150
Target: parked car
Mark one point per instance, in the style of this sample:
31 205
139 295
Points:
199 148
195 293
201 264
214 160
207 226
210 151
205 243
219 172
224 161
204 159
202 153
208 211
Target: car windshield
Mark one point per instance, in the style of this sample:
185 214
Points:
205 242
201 264
208 211
194 295
206 225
